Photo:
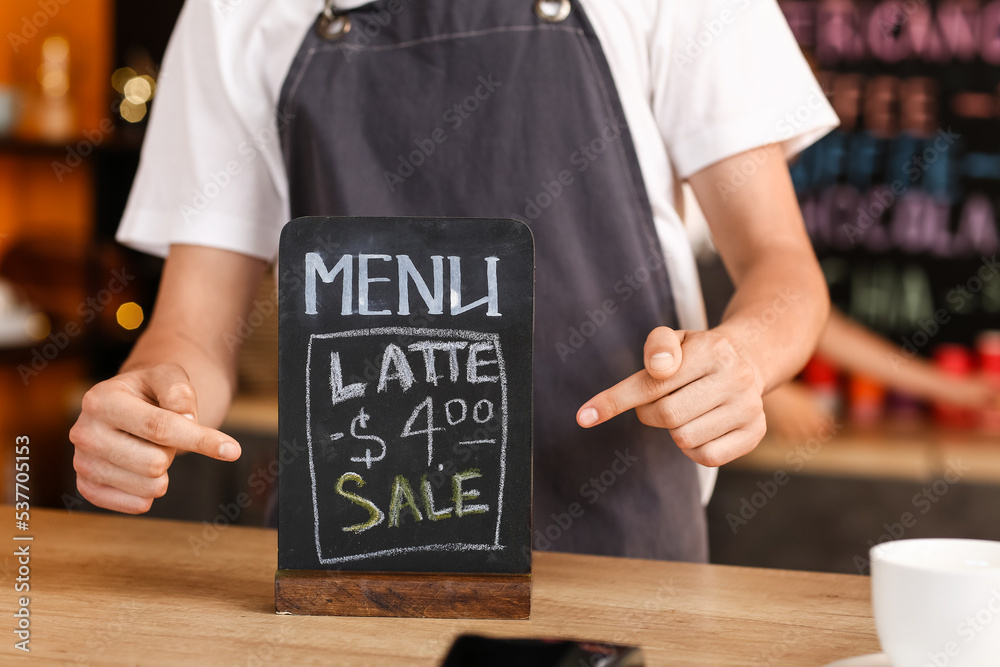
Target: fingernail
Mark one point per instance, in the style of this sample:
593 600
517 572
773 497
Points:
229 451
189 416
588 417
661 361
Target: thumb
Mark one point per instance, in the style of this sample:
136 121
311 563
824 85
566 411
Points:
662 353
172 389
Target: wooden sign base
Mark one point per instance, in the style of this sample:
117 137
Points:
407 595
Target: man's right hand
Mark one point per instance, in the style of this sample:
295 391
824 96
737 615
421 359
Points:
130 429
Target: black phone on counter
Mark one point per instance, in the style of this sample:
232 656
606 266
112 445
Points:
476 651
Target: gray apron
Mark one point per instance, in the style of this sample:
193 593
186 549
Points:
487 109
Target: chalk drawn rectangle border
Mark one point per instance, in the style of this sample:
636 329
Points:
425 333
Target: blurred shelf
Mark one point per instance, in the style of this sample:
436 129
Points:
253 414
122 141
913 452
31 148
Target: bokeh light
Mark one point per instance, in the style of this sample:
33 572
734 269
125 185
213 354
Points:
152 85
38 326
130 315
133 113
138 90
53 73
121 76
55 49
55 82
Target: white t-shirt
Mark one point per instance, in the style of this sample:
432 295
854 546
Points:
699 81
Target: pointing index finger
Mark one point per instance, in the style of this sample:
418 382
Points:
662 357
635 390
169 429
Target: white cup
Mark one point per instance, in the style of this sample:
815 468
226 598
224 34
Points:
937 602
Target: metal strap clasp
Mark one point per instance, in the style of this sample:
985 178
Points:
332 24
553 11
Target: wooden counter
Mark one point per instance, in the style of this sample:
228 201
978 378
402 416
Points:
116 590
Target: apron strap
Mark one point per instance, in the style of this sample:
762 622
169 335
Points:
333 24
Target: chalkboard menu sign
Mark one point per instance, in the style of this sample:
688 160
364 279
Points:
901 201
405 371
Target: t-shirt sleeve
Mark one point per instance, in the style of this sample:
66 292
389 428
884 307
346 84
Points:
729 77
210 170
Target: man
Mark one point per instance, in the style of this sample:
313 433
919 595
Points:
579 118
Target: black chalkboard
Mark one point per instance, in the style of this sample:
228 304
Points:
406 394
